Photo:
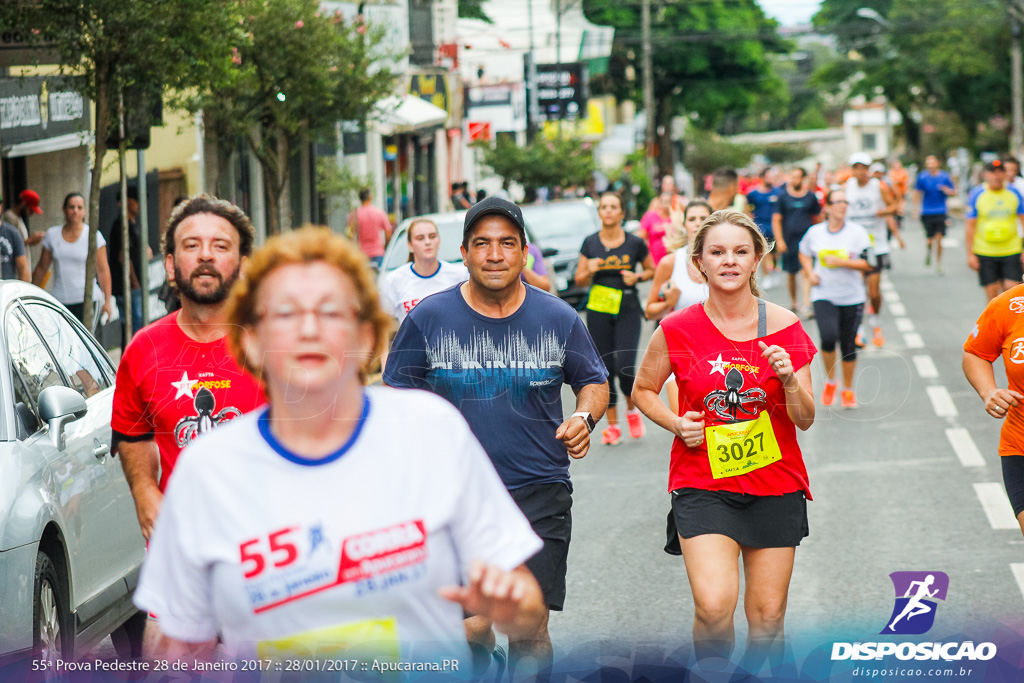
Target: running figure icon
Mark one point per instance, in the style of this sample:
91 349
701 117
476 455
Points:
917 595
915 607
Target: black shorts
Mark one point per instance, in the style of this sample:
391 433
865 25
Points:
791 260
751 521
881 262
549 509
934 225
1013 480
992 269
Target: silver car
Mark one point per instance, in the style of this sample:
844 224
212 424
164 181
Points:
70 545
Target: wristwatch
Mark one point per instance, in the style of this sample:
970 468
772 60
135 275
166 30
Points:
586 418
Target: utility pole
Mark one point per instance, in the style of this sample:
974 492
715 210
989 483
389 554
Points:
645 20
531 83
1015 65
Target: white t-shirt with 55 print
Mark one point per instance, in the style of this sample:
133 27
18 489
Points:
285 556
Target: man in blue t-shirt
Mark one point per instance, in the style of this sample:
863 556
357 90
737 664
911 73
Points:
933 186
500 350
761 203
13 257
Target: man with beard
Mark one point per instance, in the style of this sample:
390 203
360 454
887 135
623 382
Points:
176 379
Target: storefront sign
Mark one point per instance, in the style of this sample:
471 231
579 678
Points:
562 90
39 108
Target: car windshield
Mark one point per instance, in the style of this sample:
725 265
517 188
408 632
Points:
568 219
450 231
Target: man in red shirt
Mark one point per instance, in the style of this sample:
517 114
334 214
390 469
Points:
176 379
370 227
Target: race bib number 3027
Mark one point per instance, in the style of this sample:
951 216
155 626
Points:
741 447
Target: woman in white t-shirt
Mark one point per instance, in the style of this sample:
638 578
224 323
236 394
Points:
342 521
66 247
834 256
677 282
423 275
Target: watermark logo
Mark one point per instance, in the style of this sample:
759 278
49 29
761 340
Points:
916 594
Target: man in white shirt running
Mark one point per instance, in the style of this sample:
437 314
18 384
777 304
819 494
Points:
873 206
424 275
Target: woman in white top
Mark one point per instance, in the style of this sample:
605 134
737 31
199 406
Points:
677 283
359 519
67 247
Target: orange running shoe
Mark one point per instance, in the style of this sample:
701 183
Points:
849 399
828 396
879 337
636 425
610 436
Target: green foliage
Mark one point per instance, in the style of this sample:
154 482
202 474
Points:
706 151
295 71
940 54
709 58
551 162
473 9
811 119
105 46
785 153
340 186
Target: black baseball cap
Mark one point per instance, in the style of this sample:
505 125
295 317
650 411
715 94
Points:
995 165
495 206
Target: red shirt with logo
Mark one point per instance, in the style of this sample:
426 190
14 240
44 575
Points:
730 382
1000 332
176 388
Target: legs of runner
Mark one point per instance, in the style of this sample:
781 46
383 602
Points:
766 572
713 570
874 283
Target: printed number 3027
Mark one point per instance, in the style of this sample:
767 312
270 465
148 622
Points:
735 450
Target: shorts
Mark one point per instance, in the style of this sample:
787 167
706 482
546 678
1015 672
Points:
881 263
548 508
752 521
992 269
1013 479
934 225
791 260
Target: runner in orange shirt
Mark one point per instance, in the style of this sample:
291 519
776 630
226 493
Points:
1000 332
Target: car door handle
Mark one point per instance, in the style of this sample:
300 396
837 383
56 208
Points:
101 450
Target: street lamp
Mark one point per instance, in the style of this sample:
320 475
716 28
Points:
868 13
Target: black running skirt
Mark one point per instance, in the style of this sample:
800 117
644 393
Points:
751 521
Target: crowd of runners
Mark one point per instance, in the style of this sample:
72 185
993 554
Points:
463 456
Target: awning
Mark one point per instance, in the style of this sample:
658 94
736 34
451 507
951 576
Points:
407 113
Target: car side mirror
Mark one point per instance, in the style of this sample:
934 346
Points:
58 406
548 252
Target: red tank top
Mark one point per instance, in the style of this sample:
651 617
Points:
731 382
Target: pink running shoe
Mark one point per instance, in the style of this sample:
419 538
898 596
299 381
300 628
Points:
610 436
636 424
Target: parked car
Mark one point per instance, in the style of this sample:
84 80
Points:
560 228
70 544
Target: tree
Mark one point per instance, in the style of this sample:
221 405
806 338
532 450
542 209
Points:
106 46
709 58
942 54
295 73
558 161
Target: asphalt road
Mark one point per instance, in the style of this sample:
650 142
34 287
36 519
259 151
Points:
891 493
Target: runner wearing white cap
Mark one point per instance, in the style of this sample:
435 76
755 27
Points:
873 205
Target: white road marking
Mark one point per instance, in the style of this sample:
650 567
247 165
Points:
963 445
904 324
926 367
913 340
892 296
942 402
1018 575
887 285
950 242
896 308
996 505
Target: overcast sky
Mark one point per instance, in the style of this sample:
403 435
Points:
790 12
